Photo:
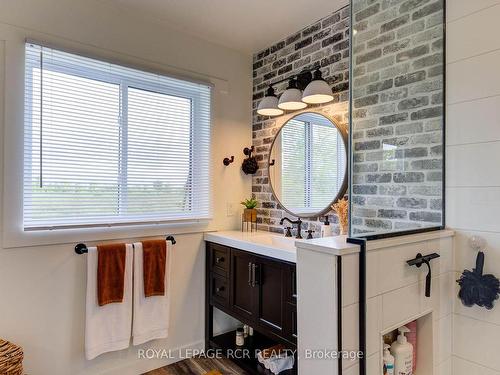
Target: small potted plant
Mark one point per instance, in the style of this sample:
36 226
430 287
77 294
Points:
250 213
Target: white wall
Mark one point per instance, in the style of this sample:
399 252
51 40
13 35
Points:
473 174
42 287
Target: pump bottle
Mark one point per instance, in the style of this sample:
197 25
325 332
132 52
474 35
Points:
388 361
402 351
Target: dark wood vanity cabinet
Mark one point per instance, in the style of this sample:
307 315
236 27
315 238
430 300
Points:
257 290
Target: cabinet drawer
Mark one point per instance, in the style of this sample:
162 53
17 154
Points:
219 290
219 259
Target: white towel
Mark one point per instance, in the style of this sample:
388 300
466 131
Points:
151 314
108 327
281 363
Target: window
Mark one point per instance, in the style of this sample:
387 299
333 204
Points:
310 162
106 144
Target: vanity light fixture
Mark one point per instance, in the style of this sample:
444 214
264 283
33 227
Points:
317 91
268 106
291 99
314 87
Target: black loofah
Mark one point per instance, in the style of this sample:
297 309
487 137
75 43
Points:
478 289
250 165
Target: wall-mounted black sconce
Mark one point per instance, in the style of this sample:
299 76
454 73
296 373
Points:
424 259
272 163
228 161
306 87
250 164
476 288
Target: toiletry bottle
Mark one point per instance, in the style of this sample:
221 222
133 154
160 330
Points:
412 339
388 361
402 351
326 228
240 337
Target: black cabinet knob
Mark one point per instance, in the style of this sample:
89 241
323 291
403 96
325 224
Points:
219 260
220 289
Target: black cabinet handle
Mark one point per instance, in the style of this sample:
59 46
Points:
220 289
254 272
250 273
219 260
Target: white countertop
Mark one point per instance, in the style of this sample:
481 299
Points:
336 245
280 247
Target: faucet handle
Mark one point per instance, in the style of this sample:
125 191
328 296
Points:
288 232
309 234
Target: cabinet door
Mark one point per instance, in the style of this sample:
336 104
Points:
269 280
243 294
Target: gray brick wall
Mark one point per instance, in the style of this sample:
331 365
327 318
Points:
397 114
324 44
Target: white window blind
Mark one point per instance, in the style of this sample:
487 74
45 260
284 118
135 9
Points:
110 145
313 163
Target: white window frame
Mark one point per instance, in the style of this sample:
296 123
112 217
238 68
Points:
14 235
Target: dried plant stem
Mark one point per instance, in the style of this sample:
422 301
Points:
341 208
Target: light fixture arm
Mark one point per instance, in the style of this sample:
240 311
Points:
302 79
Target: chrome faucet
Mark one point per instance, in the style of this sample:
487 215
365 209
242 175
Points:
299 226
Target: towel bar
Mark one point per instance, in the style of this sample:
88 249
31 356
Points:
81 248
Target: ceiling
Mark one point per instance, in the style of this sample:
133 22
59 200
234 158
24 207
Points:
244 25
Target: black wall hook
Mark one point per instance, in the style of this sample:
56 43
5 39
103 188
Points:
248 151
228 161
424 259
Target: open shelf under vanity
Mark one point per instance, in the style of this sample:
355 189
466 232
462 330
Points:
226 343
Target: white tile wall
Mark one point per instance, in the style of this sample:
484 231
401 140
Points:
473 175
462 42
473 122
464 367
462 8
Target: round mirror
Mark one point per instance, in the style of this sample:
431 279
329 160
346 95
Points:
308 165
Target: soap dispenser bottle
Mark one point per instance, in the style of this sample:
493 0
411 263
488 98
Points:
402 351
326 228
388 361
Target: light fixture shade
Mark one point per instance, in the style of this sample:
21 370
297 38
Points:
291 100
317 91
268 106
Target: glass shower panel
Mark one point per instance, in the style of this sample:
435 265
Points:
397 116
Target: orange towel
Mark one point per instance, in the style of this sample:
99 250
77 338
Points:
110 273
154 255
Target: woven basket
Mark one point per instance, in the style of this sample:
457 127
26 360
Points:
11 358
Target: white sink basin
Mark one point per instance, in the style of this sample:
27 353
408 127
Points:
288 242
262 243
